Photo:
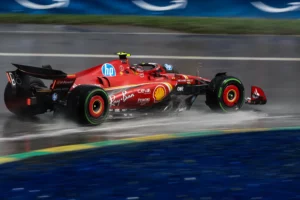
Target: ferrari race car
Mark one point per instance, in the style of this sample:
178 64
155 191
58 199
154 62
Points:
118 88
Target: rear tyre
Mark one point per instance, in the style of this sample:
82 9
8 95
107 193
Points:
88 105
225 94
16 103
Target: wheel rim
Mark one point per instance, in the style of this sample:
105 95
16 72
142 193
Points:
231 95
96 106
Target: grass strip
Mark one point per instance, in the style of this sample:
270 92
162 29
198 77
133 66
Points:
182 24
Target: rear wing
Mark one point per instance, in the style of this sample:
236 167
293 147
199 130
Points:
43 73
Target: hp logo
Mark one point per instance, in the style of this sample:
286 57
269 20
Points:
108 70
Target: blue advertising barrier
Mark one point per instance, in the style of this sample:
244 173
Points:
204 8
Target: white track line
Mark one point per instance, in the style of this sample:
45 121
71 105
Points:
149 57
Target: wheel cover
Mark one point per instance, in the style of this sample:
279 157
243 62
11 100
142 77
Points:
231 95
96 106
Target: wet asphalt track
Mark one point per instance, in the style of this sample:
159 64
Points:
278 78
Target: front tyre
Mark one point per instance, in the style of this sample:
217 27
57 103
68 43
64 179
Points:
88 105
225 94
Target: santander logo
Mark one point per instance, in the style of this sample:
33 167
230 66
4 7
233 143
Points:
36 6
292 6
175 4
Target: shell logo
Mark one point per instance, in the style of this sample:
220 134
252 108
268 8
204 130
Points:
159 93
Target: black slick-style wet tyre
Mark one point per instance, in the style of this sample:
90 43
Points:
225 94
88 105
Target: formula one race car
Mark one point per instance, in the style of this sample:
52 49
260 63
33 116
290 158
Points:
116 87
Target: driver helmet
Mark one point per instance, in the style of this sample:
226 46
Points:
168 67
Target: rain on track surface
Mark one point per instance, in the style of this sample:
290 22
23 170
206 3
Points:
279 79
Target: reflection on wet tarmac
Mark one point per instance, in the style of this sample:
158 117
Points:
280 80
42 132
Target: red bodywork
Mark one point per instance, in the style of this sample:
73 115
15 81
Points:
128 86
131 88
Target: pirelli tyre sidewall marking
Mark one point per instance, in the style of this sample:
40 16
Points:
86 105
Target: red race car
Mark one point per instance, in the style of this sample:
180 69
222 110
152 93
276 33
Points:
117 88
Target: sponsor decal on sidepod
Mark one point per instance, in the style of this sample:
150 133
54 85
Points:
143 101
159 93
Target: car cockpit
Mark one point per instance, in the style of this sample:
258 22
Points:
153 69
